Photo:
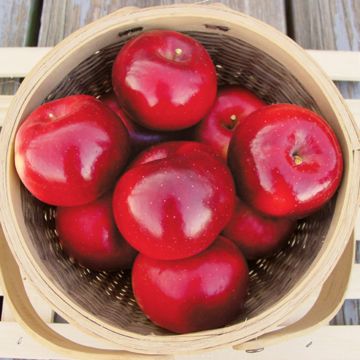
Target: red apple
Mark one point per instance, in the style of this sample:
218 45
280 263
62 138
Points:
171 149
174 207
255 235
202 292
232 105
165 79
140 137
70 151
286 160
88 233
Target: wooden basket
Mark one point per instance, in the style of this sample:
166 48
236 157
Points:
245 51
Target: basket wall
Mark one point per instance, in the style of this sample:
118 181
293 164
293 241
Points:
109 296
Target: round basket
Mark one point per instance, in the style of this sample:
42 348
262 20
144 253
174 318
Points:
246 52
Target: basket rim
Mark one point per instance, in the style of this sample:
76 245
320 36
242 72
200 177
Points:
238 22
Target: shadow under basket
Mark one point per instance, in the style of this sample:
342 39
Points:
246 52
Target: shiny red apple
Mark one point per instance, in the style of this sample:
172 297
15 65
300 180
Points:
232 105
256 235
70 151
286 160
173 148
88 233
202 292
140 137
174 207
165 79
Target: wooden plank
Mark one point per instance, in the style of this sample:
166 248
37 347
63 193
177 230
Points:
342 340
4 104
6 312
16 21
328 25
40 305
353 291
12 60
60 18
339 65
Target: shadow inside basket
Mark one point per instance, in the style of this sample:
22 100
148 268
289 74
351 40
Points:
108 296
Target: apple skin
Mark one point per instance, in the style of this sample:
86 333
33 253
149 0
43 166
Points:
232 105
201 292
140 137
165 79
171 149
70 151
88 233
174 207
286 161
255 235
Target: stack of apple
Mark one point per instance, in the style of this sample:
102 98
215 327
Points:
131 190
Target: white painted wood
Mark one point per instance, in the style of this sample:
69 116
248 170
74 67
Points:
339 65
354 105
17 62
6 312
15 343
41 306
353 291
357 225
4 104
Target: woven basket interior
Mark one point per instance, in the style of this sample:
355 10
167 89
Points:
109 296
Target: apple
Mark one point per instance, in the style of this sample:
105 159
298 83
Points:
165 79
140 137
173 148
88 234
174 207
232 105
286 160
70 151
201 292
255 235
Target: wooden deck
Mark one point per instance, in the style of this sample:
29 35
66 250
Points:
314 24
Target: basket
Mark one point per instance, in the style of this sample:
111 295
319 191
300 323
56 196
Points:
245 51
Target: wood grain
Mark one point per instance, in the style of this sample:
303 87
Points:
328 25
60 18
16 22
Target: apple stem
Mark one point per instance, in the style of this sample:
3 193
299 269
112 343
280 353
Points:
232 125
297 159
178 51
